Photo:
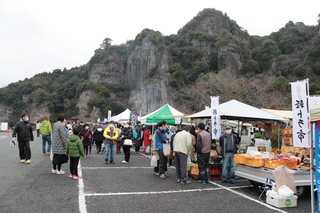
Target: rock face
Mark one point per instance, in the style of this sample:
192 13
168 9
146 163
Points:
85 114
147 77
111 73
5 112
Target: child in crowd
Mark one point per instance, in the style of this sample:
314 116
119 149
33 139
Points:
75 150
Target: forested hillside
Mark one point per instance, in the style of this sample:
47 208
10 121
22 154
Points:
210 55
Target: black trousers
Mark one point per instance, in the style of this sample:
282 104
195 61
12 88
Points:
86 149
24 150
126 151
98 146
163 160
203 162
74 161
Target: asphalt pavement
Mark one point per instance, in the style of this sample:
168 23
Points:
118 187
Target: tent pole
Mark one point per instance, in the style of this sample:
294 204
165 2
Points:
311 167
278 135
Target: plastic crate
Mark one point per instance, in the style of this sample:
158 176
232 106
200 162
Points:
258 162
215 171
271 164
239 158
249 161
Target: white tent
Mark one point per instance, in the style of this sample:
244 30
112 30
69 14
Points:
123 116
281 113
235 110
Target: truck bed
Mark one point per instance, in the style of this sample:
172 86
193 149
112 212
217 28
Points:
259 174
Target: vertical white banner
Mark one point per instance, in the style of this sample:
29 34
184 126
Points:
215 117
300 114
314 102
109 115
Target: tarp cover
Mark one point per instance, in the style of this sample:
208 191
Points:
315 114
280 113
236 110
123 116
163 114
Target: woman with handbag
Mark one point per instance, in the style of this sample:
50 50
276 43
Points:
126 137
86 135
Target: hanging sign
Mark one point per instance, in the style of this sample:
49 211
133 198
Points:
215 117
300 114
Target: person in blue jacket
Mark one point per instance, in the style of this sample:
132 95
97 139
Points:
162 138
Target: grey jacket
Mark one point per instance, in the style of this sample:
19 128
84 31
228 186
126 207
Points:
59 139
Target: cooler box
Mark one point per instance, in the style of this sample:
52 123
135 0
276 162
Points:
281 202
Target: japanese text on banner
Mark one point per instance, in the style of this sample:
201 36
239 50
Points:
215 117
300 114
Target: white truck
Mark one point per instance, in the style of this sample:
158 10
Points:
258 175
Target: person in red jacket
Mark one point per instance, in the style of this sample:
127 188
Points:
147 139
86 135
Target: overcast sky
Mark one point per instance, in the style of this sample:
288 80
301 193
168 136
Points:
40 35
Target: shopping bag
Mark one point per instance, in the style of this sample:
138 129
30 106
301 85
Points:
154 161
127 142
166 149
195 171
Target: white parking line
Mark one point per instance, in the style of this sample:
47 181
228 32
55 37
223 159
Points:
82 194
159 192
247 197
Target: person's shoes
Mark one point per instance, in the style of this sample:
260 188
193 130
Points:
21 161
28 161
179 181
60 172
71 176
112 162
186 182
232 181
48 153
202 181
124 161
163 176
77 177
157 173
53 171
44 154
106 162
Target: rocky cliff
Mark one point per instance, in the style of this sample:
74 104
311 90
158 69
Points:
210 55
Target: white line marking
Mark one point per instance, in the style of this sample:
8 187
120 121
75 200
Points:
249 198
82 195
91 168
160 192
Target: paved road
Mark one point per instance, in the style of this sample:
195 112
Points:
116 188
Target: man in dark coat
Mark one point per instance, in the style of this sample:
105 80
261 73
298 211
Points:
25 135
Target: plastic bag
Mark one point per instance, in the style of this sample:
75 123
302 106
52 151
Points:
154 161
166 149
285 191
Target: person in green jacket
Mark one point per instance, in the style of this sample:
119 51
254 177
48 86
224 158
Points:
74 150
46 131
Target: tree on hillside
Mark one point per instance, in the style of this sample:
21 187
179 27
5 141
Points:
106 43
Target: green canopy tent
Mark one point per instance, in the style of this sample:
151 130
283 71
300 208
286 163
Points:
165 113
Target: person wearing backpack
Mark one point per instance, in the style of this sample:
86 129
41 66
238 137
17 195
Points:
137 136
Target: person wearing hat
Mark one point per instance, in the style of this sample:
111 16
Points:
46 131
229 146
25 135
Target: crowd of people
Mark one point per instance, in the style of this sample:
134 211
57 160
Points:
65 141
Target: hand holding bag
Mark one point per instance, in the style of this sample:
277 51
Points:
127 142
